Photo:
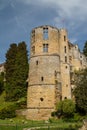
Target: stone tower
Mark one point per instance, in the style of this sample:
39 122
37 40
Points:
49 79
65 64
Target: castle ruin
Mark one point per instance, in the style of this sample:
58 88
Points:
53 60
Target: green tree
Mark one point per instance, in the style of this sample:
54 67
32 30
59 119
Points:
1 82
85 49
66 108
80 90
10 62
21 72
16 71
10 69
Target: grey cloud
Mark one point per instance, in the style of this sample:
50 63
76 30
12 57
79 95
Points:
72 9
73 12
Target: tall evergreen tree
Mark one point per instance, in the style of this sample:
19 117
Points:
10 62
16 71
85 49
10 69
21 72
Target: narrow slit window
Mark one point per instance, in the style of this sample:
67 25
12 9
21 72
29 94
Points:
64 38
45 33
42 78
66 59
37 62
65 49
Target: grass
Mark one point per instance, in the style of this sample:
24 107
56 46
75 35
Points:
20 123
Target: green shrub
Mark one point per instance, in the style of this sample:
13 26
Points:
77 117
21 103
66 108
53 114
8 112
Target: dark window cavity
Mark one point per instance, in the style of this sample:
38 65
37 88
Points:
65 98
66 59
41 99
42 78
65 49
66 67
37 62
64 38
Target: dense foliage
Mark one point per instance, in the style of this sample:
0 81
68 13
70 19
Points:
16 71
80 91
10 69
66 108
8 112
1 82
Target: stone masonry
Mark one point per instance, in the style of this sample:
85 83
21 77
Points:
53 60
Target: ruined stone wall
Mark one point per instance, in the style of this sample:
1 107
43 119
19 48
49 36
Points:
53 60
44 71
78 59
65 66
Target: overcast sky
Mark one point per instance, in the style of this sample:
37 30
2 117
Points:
19 17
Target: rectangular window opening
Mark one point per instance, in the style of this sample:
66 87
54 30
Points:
45 47
65 49
42 78
66 59
37 62
45 33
